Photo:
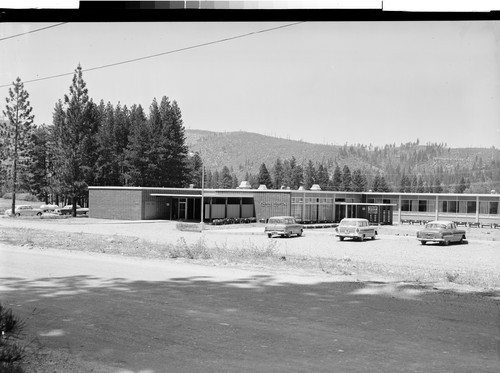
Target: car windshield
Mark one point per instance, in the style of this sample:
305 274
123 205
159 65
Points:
435 226
349 223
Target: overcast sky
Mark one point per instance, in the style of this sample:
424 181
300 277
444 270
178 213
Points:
320 82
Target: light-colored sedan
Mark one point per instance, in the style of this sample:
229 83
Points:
25 210
357 229
50 208
284 226
442 231
68 210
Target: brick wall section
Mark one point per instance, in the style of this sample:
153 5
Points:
117 204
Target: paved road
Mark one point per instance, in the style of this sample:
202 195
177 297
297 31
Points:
155 316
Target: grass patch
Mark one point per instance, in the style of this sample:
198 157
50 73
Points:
13 349
247 253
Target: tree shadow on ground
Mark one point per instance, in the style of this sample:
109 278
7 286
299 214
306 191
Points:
258 323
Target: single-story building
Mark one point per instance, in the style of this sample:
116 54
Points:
315 205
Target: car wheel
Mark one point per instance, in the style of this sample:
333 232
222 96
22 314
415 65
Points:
269 235
300 233
373 237
341 238
287 234
39 214
423 242
18 214
446 242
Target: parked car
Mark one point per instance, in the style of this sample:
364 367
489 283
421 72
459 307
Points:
283 226
357 229
25 210
68 210
441 231
50 208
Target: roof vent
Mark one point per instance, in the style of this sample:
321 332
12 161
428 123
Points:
315 187
262 187
245 185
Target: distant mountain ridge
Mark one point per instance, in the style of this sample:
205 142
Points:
244 152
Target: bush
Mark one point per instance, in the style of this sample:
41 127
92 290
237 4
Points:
12 351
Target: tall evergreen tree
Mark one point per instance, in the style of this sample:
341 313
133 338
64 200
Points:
264 176
322 177
173 143
420 185
383 186
346 179
358 182
138 152
18 132
461 186
278 174
195 167
226 180
376 183
309 175
74 122
40 167
337 179
405 184
107 170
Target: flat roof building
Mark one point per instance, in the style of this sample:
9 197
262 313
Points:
184 204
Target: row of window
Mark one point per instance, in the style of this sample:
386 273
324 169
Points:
449 206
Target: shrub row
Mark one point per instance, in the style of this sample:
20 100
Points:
233 221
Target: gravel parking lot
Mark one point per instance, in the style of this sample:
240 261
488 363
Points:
394 254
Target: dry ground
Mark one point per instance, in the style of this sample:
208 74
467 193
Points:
394 256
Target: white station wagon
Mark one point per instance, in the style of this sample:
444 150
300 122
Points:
357 229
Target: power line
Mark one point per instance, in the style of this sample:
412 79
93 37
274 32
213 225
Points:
162 53
32 31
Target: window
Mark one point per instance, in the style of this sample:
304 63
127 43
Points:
471 207
370 200
452 206
405 205
443 206
422 205
493 208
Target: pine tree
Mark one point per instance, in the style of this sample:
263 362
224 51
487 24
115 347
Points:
376 183
195 170
264 178
40 167
107 172
405 184
138 152
358 182
17 132
175 171
383 186
226 180
278 176
346 179
74 123
337 179
309 175
420 185
322 177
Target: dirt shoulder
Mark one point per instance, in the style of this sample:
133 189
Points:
395 255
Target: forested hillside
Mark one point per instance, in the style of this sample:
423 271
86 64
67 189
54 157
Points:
404 167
